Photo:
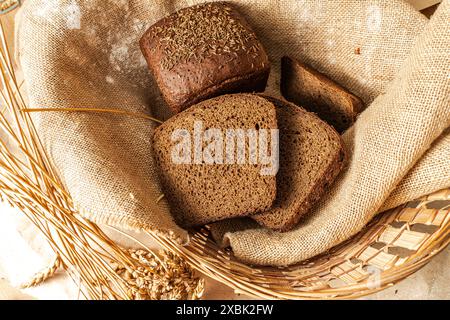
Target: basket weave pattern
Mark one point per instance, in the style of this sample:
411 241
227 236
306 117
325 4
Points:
394 245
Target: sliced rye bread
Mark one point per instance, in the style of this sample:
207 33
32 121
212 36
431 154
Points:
205 193
311 156
312 90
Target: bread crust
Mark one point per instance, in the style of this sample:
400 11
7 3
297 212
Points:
314 91
204 75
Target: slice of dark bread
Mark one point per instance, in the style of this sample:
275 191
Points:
204 51
311 156
315 92
201 193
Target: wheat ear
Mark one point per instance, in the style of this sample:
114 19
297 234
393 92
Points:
43 275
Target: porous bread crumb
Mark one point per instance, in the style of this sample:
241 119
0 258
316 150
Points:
201 193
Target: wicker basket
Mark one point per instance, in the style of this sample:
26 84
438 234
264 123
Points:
393 246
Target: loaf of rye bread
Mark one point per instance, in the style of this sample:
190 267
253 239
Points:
204 51
205 193
311 156
312 90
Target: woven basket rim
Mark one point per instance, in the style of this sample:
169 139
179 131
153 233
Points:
224 268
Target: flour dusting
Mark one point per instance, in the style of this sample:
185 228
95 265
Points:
73 16
51 9
374 18
119 54
110 80
124 54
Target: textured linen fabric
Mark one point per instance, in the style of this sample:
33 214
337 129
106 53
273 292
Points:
389 137
78 53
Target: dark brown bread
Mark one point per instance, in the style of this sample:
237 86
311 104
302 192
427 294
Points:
204 51
311 156
315 92
204 193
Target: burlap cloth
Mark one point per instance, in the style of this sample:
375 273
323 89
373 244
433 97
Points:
78 53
